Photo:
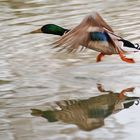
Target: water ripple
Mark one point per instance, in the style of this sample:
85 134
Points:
32 75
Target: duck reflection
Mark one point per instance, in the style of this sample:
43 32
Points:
89 114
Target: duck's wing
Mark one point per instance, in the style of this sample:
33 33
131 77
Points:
102 22
80 35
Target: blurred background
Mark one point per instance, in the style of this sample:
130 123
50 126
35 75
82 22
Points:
33 75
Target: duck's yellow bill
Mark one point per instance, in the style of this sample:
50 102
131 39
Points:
36 31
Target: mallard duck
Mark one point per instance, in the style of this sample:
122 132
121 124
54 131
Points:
88 114
93 33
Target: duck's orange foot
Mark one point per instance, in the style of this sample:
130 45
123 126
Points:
99 57
128 60
122 93
123 58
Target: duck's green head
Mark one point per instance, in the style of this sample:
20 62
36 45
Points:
51 29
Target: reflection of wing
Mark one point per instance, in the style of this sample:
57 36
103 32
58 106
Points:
78 112
80 35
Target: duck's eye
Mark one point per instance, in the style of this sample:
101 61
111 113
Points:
137 46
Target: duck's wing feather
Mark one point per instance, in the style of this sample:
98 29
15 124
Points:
80 35
102 22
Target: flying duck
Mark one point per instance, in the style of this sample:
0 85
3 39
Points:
93 33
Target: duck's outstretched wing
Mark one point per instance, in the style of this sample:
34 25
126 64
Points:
102 22
80 35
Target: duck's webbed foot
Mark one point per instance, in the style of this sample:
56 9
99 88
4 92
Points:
122 93
99 57
123 58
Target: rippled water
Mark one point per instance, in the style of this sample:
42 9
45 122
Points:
32 75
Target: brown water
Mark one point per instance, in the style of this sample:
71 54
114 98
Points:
32 75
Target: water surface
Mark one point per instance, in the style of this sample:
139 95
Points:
32 75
